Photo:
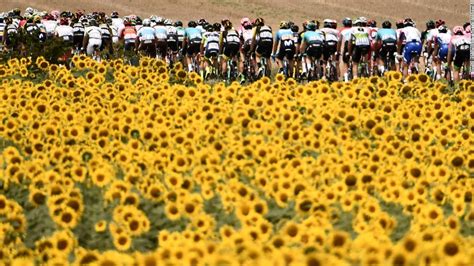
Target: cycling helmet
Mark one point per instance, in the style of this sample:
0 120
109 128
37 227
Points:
168 22
244 21
458 30
440 22
178 23
467 27
114 14
327 23
160 21
372 23
284 25
347 22
311 26
16 12
138 21
63 21
202 22
93 22
192 24
430 24
363 20
216 26
400 24
443 29
295 28
408 22
146 22
127 22
109 21
387 24
29 10
227 25
259 22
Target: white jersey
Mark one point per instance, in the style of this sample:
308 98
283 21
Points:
50 26
94 32
411 34
118 23
346 34
443 38
64 32
115 37
330 34
246 35
430 35
138 27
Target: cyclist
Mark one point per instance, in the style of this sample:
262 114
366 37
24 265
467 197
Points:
78 34
343 46
11 34
50 24
161 36
386 44
311 48
128 35
372 24
114 29
64 32
284 47
3 25
441 47
106 32
412 37
117 21
146 39
92 38
262 43
245 34
192 44
229 45
360 44
331 35
460 44
427 41
180 32
210 49
172 40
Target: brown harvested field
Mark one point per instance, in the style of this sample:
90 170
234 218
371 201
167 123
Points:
453 11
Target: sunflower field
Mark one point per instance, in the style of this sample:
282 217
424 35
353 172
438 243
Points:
111 164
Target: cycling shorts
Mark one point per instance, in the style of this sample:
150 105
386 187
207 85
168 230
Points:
443 52
149 49
286 51
314 50
193 48
264 49
388 49
246 46
460 57
231 49
330 48
162 47
92 45
411 48
360 51
211 53
173 45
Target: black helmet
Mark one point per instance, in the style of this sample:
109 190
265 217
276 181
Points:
387 24
178 23
430 24
295 28
347 22
217 26
192 24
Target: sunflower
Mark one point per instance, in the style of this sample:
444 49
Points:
122 242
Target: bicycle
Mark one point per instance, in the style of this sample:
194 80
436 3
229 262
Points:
331 70
264 71
363 66
249 70
413 65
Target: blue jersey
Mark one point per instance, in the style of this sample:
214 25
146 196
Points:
386 35
284 35
146 34
313 37
192 34
161 32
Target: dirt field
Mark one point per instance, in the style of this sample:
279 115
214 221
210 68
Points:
453 11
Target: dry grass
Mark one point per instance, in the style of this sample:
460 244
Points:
453 11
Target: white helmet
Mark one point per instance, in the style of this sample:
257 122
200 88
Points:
168 22
146 22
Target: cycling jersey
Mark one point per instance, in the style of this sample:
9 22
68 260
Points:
373 34
211 44
118 23
115 36
106 32
193 35
360 36
78 29
128 34
386 35
410 34
2 28
264 35
330 35
94 32
50 26
180 32
95 39
345 34
146 35
161 33
65 33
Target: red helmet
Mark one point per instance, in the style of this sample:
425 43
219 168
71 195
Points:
440 22
63 21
